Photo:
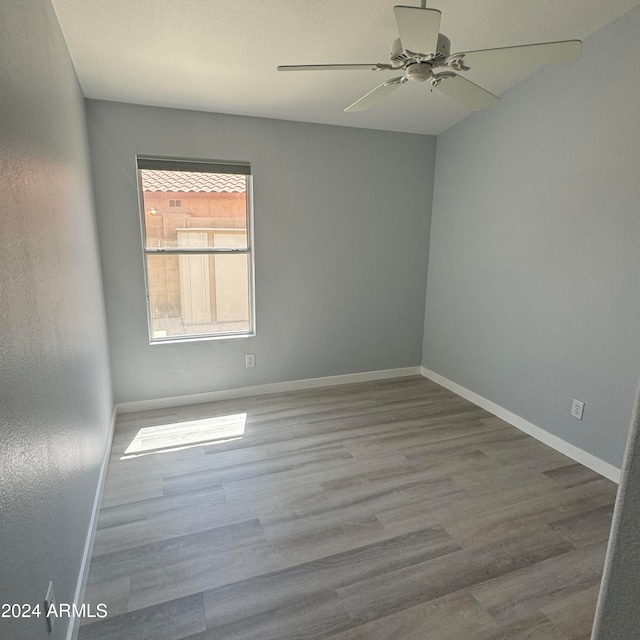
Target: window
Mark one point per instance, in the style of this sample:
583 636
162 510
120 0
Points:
197 241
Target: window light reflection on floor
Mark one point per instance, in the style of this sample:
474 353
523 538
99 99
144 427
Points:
181 435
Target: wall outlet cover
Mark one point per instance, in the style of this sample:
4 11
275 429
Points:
577 407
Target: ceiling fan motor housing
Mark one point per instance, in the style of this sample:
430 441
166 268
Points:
418 71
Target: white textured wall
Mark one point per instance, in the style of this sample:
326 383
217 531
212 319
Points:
341 236
55 396
534 268
617 615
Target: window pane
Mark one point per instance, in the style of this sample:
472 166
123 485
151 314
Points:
194 295
192 209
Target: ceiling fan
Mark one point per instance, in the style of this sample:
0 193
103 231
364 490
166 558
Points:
424 54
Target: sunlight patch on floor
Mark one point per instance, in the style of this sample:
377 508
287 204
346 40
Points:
181 435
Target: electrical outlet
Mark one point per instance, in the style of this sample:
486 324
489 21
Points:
250 360
577 408
49 601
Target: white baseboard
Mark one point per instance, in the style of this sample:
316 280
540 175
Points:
263 389
74 625
575 453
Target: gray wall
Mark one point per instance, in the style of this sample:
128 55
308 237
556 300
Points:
55 396
534 269
341 235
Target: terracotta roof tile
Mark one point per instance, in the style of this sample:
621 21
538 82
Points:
191 181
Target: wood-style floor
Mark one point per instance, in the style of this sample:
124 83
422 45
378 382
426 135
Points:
384 510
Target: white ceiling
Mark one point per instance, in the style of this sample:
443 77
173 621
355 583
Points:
221 55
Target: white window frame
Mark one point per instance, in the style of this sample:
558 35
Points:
205 166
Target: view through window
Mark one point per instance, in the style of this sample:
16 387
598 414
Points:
198 248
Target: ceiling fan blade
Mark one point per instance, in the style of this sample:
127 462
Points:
526 55
465 92
418 28
373 97
374 66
